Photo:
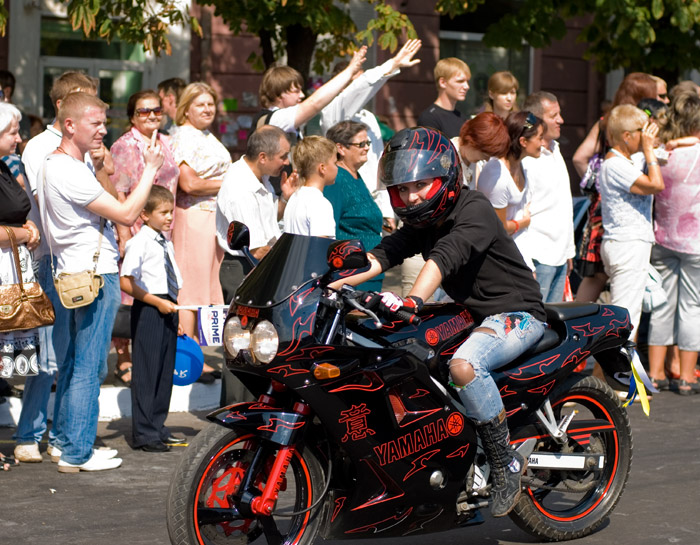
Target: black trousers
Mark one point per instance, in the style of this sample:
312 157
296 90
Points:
154 343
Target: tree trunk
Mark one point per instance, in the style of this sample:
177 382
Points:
268 54
301 43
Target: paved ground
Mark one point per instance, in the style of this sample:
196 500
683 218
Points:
127 505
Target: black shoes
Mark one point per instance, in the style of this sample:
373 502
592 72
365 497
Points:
175 441
155 446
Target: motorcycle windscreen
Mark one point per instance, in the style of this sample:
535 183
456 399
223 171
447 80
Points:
293 261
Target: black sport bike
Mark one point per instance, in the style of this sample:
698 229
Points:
353 434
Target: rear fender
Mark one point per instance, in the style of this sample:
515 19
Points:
268 423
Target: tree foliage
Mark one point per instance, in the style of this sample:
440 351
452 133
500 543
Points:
657 36
321 30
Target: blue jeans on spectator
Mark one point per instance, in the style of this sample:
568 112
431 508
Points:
552 281
81 340
514 333
37 389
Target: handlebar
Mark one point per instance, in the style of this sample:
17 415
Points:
352 297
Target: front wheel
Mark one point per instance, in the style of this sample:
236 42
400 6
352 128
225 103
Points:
201 509
558 505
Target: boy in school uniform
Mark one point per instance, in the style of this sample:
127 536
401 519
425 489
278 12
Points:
150 275
308 212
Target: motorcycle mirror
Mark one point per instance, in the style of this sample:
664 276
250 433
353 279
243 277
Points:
346 254
238 236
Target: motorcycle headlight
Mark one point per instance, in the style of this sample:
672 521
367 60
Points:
235 337
264 342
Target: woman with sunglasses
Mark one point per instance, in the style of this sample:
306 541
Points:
355 212
145 114
503 180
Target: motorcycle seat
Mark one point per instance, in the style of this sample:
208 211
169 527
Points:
562 312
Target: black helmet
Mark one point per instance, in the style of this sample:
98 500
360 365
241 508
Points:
416 154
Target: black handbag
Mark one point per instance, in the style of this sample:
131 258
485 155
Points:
122 323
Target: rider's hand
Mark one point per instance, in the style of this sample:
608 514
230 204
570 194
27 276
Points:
388 304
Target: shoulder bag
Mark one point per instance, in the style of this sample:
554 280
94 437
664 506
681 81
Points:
23 305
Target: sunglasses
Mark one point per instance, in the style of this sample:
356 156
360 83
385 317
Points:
360 145
145 112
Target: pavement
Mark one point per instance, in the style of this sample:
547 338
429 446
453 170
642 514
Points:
127 505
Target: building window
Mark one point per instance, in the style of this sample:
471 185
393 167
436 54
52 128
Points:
118 67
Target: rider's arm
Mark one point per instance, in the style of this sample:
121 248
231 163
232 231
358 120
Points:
429 279
375 268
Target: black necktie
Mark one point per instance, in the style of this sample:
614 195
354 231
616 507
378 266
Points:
169 269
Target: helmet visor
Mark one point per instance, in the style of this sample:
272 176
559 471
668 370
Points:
410 165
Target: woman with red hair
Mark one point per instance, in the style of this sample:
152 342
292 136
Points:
482 137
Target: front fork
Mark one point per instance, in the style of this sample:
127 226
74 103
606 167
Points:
250 500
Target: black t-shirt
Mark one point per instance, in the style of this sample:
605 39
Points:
480 264
448 122
15 202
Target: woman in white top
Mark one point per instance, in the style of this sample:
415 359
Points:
626 200
480 138
502 179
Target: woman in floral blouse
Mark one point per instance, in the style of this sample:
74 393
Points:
203 161
145 113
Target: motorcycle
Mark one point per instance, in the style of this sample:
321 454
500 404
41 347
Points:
352 433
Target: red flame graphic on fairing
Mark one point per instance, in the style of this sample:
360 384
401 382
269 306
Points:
298 333
286 371
587 330
420 463
276 423
539 367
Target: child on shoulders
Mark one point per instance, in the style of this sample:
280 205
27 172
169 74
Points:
308 211
150 275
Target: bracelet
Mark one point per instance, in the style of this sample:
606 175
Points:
652 163
29 233
517 226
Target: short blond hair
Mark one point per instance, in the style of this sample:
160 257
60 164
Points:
622 118
448 67
311 152
74 105
188 96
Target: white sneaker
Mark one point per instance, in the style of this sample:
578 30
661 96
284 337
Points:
28 453
95 463
104 453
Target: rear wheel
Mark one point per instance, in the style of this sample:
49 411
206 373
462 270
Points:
558 505
201 509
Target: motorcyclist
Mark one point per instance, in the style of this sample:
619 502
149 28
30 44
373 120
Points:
469 254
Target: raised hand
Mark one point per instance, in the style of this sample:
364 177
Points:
153 153
357 59
404 58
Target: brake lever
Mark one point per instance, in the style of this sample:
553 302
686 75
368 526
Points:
353 303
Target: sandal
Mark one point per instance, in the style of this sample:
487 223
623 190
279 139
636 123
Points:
660 383
686 388
7 462
119 374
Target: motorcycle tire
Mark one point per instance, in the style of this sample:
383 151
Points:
208 474
558 505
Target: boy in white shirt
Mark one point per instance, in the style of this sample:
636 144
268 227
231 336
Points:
308 212
150 275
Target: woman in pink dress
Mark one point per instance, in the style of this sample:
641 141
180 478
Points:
203 160
145 113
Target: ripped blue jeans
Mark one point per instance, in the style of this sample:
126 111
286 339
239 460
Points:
513 333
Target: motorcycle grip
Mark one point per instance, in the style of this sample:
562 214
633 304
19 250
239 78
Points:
408 317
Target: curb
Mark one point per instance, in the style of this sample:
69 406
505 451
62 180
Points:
115 402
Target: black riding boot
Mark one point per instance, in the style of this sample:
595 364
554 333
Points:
506 464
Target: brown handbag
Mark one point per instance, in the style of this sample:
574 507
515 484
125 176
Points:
23 305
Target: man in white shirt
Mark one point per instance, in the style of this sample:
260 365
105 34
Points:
549 240
32 421
349 106
246 195
74 208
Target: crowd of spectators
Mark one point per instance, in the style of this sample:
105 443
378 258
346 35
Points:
72 204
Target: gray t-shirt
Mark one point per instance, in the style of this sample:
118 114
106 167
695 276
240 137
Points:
626 215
